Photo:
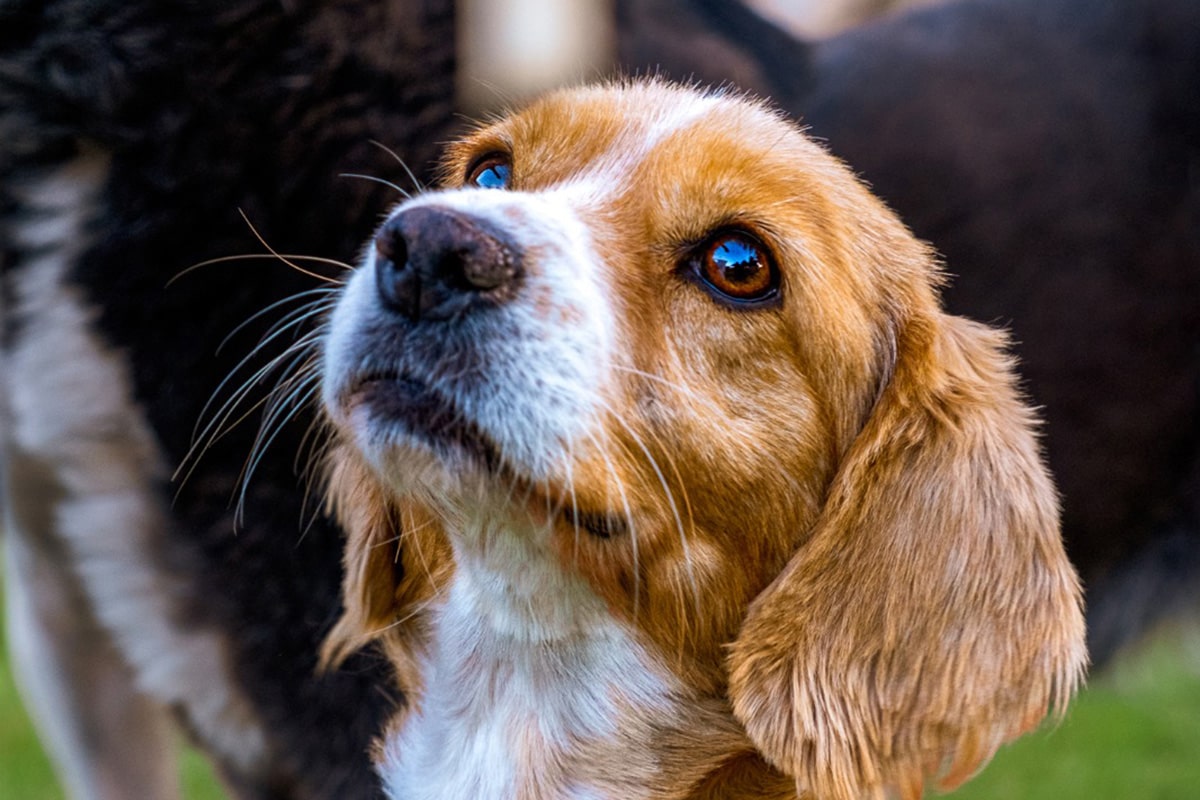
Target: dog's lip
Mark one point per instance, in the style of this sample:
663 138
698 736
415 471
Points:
419 410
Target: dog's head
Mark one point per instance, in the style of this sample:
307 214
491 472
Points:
659 340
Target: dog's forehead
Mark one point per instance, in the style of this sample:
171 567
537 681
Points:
614 129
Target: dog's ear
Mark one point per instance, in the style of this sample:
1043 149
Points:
395 558
932 614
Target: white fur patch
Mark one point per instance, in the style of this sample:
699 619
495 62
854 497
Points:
528 677
72 408
608 173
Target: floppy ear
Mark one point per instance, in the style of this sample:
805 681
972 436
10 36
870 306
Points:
395 559
932 614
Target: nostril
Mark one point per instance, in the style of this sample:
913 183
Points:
390 245
395 279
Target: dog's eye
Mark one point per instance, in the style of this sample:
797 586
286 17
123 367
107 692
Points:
491 172
737 267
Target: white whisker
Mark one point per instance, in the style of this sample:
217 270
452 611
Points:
218 426
301 314
284 258
417 185
685 390
670 496
373 179
632 528
280 412
281 257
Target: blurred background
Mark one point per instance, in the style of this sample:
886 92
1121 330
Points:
512 49
1134 732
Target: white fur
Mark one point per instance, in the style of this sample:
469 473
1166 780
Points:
527 674
72 409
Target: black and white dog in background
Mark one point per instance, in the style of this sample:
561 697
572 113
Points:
1050 148
131 135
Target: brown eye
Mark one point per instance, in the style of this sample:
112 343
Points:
493 171
737 267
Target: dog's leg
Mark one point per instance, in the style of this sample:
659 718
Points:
107 739
94 526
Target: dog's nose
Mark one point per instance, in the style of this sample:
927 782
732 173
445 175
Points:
434 263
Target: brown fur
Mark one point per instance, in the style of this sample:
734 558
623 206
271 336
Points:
845 540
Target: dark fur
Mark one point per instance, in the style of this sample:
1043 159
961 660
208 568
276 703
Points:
208 108
1050 150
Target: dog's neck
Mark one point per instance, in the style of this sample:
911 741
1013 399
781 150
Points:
532 689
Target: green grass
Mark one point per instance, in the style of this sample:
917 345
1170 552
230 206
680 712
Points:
1135 733
24 771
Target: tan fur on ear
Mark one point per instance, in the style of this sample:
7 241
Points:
395 559
932 613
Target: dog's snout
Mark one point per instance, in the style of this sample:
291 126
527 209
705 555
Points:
434 263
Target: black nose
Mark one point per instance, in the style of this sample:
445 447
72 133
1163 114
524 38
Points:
435 263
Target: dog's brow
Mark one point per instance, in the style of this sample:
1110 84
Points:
607 171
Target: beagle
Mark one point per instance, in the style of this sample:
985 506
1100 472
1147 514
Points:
664 474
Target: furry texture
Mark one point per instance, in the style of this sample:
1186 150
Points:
800 545
1048 149
199 110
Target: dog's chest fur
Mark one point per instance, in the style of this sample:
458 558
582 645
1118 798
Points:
533 690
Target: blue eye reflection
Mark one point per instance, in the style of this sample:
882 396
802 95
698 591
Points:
737 254
492 173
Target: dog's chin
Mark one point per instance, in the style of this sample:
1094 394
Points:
411 431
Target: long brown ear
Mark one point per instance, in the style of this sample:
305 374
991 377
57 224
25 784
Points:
932 614
395 559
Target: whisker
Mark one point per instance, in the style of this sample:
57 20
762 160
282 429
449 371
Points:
272 256
215 428
282 258
220 424
317 439
415 181
687 391
370 636
633 539
306 311
373 179
279 329
679 526
277 417
408 531
207 433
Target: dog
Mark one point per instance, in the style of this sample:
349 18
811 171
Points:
1048 150
131 133
665 475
